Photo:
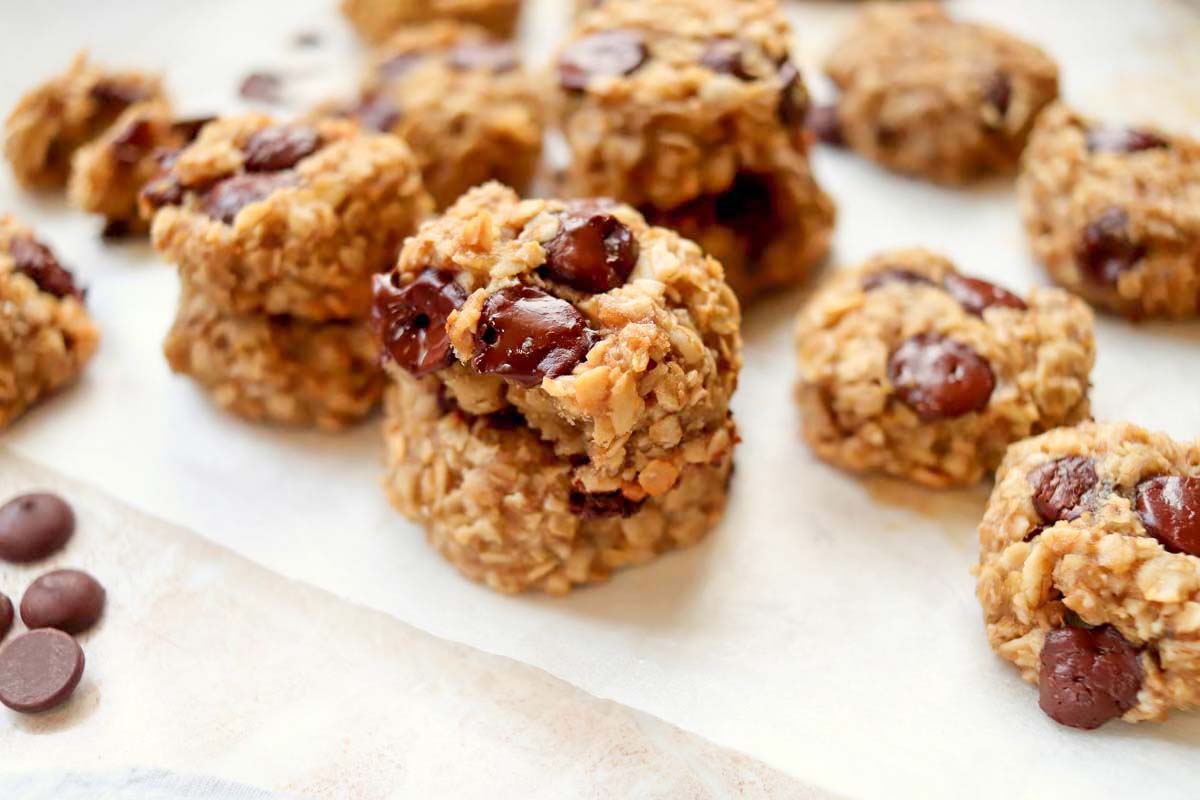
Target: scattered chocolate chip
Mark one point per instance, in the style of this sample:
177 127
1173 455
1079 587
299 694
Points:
378 112
39 670
189 128
593 251
1088 676
727 57
34 525
599 505
67 599
224 201
117 94
410 321
1169 507
280 147
605 54
133 142
37 262
977 296
998 92
793 103
1104 250
940 378
494 57
525 334
115 229
6 616
1061 488
826 125
1123 140
306 39
894 275
264 87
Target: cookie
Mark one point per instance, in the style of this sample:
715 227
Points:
1089 571
693 112
54 120
912 369
930 96
560 378
1111 212
376 20
46 335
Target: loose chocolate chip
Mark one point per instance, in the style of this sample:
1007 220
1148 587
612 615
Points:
6 616
133 142
940 378
599 505
727 57
977 295
1104 251
526 335
826 125
998 92
115 229
265 87
67 599
410 321
1123 140
39 670
117 94
793 103
605 54
494 57
1169 507
894 275
190 127
33 526
37 262
1061 488
1088 676
279 148
378 112
224 201
592 252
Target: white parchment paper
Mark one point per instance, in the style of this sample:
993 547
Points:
829 626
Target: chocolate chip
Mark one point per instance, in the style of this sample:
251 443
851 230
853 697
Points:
592 252
977 295
599 505
410 320
826 125
1088 676
525 334
39 670
940 378
37 262
605 54
507 419
894 275
6 616
67 599
279 148
162 191
1123 140
189 128
1104 251
1169 507
998 92
494 57
793 103
115 229
265 87
727 57
1061 488
133 142
224 201
117 94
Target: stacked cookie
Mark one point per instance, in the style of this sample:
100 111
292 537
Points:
276 230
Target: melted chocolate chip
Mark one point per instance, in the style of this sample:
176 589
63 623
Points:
747 209
894 275
526 335
977 296
599 505
279 148
940 378
609 53
224 200
66 599
1104 250
378 112
1169 507
6 615
998 92
1088 676
410 320
793 103
164 190
727 57
592 252
133 142
826 125
117 94
37 262
39 670
494 57
1061 488
264 87
1123 140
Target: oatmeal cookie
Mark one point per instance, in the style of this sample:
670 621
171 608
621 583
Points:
376 20
462 101
1114 213
276 368
292 219
609 348
1089 571
927 95
910 368
693 112
46 336
57 118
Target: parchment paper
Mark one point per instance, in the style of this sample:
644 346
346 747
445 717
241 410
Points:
829 626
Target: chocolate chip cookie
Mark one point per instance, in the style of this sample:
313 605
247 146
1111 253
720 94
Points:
46 335
1111 211
560 376
1089 571
376 20
693 112
927 95
910 368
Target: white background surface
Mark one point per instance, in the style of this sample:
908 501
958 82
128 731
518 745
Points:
829 626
